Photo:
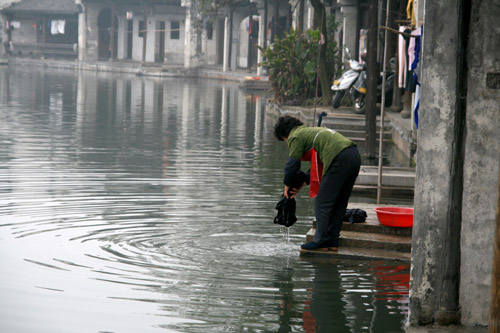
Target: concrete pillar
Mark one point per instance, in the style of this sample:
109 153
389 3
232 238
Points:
261 37
150 25
350 25
457 165
494 317
225 62
437 215
2 35
310 17
481 169
82 31
122 38
189 35
295 17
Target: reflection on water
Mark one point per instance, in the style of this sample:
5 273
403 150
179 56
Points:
136 204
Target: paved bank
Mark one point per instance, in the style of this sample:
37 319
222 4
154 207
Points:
140 69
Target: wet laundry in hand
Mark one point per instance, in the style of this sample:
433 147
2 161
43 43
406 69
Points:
286 207
286 212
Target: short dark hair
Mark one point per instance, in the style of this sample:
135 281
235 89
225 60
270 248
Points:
284 126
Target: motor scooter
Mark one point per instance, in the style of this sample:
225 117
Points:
344 84
359 86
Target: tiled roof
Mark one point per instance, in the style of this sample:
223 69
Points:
43 6
6 3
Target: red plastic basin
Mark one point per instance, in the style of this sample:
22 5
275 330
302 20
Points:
395 216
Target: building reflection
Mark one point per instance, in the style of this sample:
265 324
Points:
346 296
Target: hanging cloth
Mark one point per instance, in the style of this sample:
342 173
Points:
418 40
402 68
54 27
410 13
61 26
316 171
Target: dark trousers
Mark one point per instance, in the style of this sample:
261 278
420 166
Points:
334 192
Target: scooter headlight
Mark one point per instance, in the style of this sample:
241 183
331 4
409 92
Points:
336 82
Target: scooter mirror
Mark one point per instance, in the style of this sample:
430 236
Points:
348 52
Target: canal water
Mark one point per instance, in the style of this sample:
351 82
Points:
134 204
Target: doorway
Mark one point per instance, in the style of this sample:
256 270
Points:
220 42
106 45
160 42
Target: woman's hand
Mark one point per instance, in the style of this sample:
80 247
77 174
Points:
292 191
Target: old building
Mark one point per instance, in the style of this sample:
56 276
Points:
40 28
170 32
132 30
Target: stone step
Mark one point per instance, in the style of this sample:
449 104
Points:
372 225
360 133
339 119
367 240
359 253
350 124
391 177
387 191
356 239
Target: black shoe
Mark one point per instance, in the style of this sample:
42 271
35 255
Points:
312 246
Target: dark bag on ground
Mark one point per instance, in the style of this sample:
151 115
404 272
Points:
286 207
355 215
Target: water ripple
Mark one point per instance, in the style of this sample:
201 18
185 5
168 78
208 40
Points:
130 217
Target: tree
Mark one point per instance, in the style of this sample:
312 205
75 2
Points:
208 10
320 17
292 66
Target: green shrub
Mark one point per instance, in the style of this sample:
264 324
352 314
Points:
292 64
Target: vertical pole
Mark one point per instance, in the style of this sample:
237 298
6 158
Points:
318 67
371 81
382 109
494 321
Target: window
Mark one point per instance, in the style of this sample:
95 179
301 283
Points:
141 28
174 30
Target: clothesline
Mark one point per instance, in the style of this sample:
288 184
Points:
399 32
